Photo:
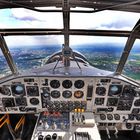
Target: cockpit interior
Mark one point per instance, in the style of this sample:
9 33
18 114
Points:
63 91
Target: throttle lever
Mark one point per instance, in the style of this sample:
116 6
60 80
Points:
108 133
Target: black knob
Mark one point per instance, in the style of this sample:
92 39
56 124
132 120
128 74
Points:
54 136
40 137
48 137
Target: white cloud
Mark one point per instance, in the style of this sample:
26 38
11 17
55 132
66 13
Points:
27 41
101 20
38 20
105 20
83 40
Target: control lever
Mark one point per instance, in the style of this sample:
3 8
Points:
116 132
107 132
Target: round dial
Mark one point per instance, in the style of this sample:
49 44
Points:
116 116
67 94
55 84
78 94
102 116
109 117
67 84
137 102
100 91
55 94
128 92
79 84
34 101
5 90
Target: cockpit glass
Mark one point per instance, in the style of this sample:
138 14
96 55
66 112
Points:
105 20
132 66
31 51
23 18
4 68
102 52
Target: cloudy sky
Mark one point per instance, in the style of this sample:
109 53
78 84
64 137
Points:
22 18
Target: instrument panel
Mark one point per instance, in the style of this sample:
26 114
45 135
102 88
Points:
114 102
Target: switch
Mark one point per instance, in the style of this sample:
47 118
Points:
108 134
48 137
54 136
40 137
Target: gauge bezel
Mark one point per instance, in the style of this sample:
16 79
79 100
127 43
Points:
67 92
81 94
55 91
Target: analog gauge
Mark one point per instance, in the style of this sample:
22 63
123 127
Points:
55 84
34 101
112 101
18 89
100 91
32 90
67 94
137 102
116 116
115 90
67 84
78 94
128 92
102 116
109 117
79 84
5 90
99 101
55 94
21 101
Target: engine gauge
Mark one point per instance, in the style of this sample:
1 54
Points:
5 90
67 94
55 84
55 94
67 84
101 91
78 94
79 84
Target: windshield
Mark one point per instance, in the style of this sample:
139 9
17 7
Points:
4 68
29 51
105 20
23 18
102 52
132 66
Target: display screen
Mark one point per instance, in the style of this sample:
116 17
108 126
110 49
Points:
18 89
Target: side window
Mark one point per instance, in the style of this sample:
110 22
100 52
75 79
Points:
132 66
4 68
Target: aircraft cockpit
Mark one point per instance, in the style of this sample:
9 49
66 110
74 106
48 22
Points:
69 70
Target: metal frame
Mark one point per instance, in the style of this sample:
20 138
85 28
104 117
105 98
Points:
7 55
45 31
100 5
129 44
